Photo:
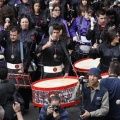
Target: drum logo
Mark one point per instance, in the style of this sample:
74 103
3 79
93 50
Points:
16 66
55 69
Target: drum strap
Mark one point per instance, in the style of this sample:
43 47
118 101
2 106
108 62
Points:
68 57
79 30
22 55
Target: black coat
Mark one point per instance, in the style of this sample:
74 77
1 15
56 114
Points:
7 90
107 53
97 34
48 55
7 44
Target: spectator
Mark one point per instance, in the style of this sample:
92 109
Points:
112 83
53 111
16 107
98 30
95 102
7 90
107 51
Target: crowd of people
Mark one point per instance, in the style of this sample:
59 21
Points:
43 38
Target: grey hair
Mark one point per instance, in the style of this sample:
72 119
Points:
2 112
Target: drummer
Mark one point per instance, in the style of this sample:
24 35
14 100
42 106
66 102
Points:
95 102
11 44
13 59
79 29
53 54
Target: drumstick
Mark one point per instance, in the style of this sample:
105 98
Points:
74 70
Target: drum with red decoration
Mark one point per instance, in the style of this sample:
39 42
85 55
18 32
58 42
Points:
20 80
104 75
43 89
85 64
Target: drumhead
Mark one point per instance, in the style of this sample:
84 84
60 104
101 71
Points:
55 83
85 64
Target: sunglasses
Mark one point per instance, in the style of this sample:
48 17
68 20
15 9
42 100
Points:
56 10
118 36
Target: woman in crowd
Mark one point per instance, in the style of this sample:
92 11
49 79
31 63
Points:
107 51
37 18
29 37
56 18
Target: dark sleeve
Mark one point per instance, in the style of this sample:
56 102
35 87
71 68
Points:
66 62
39 47
90 35
64 116
93 53
96 53
27 57
3 38
3 97
43 114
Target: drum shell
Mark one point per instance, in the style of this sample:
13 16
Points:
41 95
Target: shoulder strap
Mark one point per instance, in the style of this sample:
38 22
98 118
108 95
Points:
66 52
79 31
21 51
68 57
22 55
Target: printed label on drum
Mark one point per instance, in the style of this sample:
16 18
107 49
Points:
42 97
63 87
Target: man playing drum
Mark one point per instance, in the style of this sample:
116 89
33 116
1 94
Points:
95 100
14 58
53 54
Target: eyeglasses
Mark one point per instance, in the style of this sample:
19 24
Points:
57 10
118 36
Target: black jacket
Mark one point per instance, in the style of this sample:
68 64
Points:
107 53
97 34
48 55
8 89
7 44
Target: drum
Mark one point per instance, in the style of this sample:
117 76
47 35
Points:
85 64
20 80
63 87
104 75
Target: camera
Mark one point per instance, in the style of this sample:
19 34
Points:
83 80
56 108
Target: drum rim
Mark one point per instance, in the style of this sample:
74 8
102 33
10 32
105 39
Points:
82 69
55 88
103 74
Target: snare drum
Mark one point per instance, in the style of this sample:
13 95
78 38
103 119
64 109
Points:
20 80
63 87
85 64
